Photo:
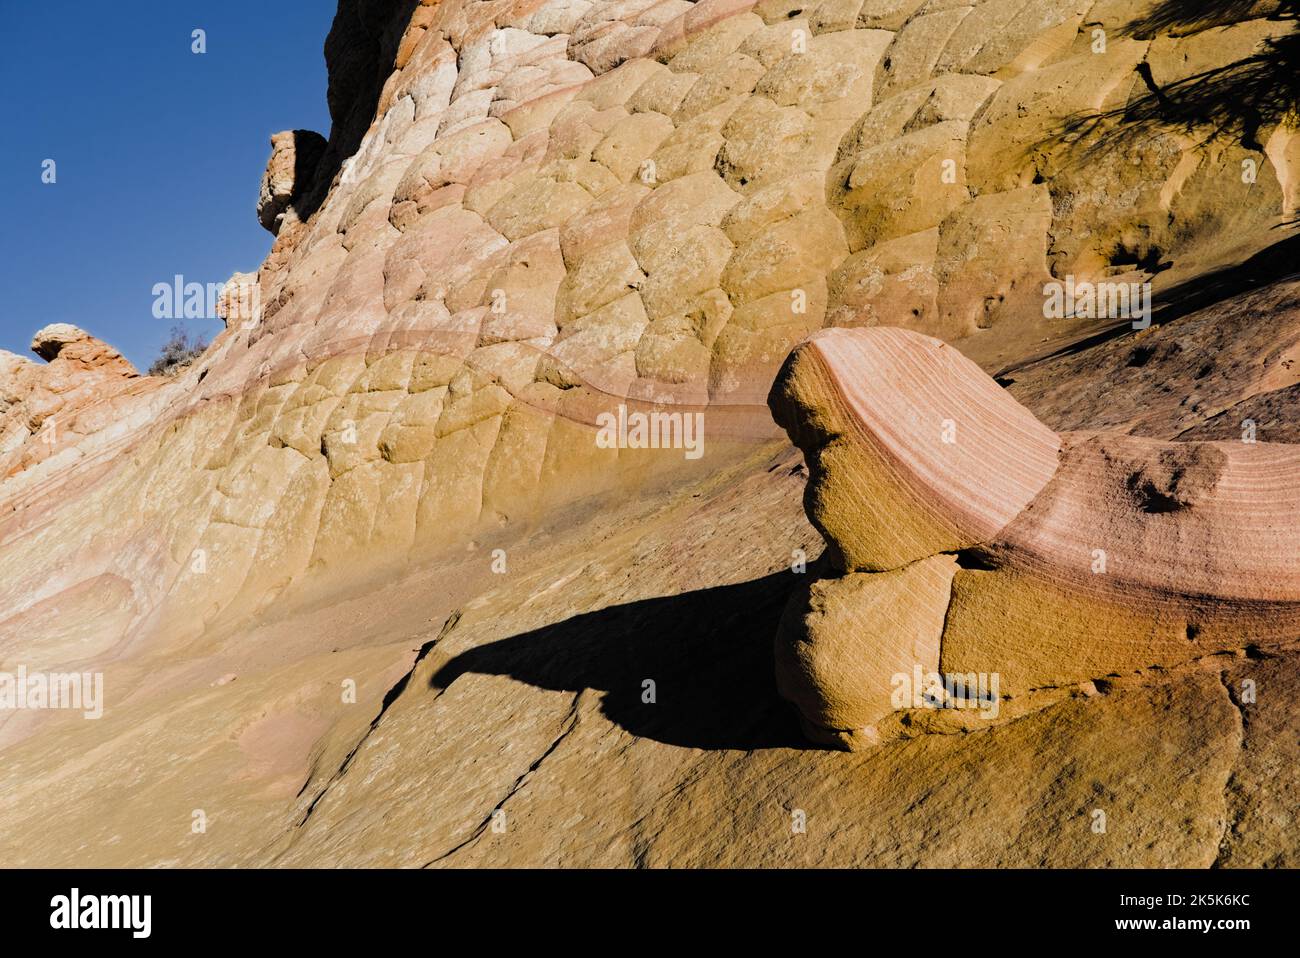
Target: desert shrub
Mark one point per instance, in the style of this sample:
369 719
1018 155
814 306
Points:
179 351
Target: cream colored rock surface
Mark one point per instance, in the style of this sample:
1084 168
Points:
854 633
526 220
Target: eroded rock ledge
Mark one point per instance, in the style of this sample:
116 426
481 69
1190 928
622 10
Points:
289 177
75 392
968 538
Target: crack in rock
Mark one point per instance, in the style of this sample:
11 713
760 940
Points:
390 697
1231 819
572 719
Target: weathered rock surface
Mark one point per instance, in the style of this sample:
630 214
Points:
240 301
524 218
289 177
1068 558
76 394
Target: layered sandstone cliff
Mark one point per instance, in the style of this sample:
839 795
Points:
525 216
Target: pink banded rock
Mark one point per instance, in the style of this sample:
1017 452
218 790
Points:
968 538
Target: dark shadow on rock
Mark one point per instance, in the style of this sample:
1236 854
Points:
308 150
708 653
1275 263
1184 17
360 55
1231 102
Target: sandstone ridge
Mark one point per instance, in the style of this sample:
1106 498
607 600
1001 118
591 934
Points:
969 538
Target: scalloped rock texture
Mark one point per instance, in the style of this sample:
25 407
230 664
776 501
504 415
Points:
363 585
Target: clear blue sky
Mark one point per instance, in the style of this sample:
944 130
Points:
159 152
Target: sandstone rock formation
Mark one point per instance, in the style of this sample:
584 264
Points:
240 302
289 176
362 575
76 393
971 539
